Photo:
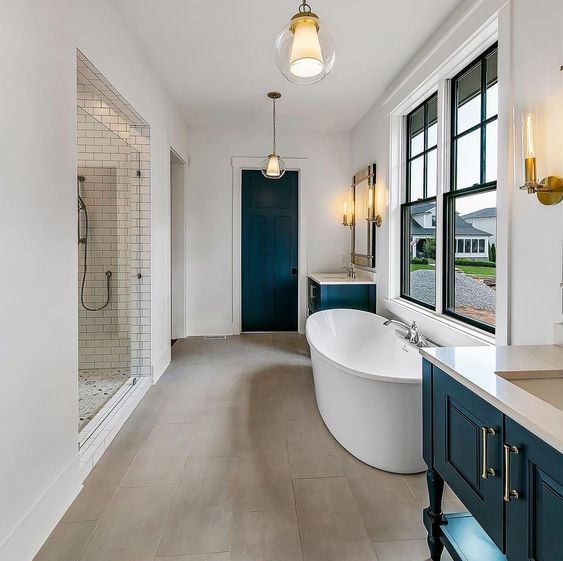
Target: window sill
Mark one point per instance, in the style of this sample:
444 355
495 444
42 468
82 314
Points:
481 337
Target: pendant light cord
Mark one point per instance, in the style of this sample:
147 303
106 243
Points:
304 8
274 122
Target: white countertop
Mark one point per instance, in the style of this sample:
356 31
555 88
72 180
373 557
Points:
343 278
538 368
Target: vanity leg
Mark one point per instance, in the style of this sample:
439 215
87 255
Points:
435 485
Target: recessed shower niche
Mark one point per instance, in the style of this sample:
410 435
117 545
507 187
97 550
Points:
113 244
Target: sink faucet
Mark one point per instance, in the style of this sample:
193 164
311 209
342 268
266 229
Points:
413 335
349 271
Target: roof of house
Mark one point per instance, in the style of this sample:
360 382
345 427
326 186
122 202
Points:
490 212
462 228
421 209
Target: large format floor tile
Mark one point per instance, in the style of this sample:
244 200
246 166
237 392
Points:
389 508
405 550
67 542
102 483
313 452
162 457
228 459
131 528
331 525
201 516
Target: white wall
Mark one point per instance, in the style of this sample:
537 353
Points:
210 211
39 471
39 474
532 294
537 230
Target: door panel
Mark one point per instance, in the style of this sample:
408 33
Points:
534 519
459 418
269 252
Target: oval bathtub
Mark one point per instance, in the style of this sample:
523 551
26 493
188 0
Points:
368 384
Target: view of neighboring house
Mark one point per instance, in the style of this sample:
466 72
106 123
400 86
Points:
484 219
470 242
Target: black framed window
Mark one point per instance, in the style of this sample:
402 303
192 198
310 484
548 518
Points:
470 205
418 210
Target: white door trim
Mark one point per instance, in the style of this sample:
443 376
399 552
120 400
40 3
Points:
301 165
185 257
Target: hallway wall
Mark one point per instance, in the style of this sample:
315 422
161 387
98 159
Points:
39 473
210 210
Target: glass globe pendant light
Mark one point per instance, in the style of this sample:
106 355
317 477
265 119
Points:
305 49
273 167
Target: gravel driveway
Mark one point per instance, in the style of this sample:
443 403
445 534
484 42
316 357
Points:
469 292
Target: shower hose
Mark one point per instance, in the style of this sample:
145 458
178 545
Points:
84 241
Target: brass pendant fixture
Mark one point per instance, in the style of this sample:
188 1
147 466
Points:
305 48
273 167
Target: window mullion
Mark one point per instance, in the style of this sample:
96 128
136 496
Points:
443 158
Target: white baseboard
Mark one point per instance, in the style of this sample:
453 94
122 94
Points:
28 536
203 328
161 365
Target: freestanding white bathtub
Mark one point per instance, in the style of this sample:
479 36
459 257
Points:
368 385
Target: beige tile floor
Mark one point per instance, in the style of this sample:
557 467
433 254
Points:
227 459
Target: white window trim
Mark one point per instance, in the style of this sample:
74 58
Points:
439 81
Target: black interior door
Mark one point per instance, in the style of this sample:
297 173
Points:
269 252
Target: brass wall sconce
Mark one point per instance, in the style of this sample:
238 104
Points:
550 189
347 219
348 209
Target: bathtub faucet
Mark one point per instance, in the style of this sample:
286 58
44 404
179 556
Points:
413 334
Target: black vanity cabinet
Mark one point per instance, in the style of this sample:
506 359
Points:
534 513
510 481
468 451
346 295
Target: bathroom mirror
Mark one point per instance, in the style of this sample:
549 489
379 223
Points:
363 223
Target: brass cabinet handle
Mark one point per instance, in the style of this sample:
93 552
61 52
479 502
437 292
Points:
509 493
486 471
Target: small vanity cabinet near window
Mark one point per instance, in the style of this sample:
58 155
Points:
493 431
327 291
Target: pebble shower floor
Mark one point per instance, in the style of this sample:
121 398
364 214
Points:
95 387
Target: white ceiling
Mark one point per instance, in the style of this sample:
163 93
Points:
215 58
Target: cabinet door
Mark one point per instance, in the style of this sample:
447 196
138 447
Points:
314 296
468 451
534 518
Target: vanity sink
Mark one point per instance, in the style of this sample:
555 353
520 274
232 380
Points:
546 385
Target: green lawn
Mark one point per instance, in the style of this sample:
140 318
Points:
473 270
418 266
478 271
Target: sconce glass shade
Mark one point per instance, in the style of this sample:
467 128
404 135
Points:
305 49
347 211
526 148
273 167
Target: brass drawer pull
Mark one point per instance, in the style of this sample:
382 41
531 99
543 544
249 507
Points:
486 471
509 493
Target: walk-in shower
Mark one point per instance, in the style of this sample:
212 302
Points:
83 239
113 235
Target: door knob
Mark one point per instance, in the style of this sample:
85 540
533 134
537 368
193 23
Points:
294 271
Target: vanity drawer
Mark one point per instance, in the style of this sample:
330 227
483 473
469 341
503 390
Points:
468 445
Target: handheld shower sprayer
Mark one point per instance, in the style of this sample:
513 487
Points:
83 240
